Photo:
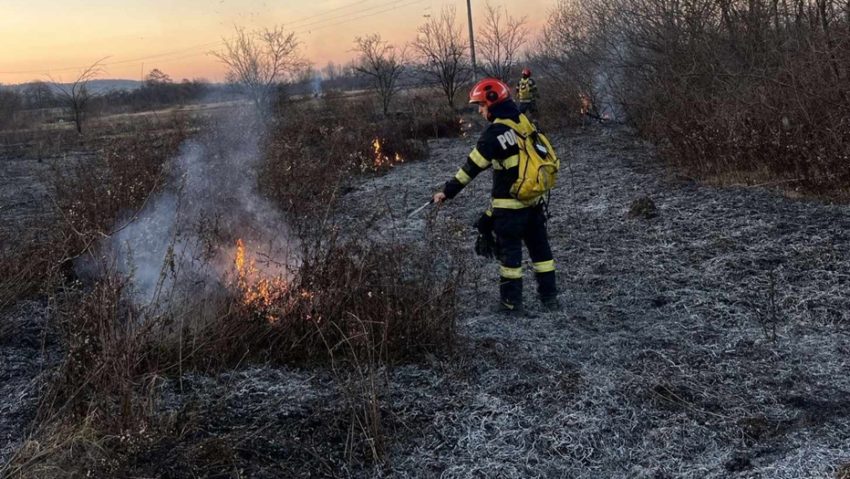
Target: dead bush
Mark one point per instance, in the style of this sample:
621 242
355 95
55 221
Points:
102 389
430 118
742 92
347 299
89 190
354 304
315 153
89 194
559 105
28 260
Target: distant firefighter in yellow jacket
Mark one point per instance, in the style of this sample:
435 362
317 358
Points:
526 93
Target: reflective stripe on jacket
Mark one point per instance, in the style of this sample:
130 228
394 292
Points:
497 148
526 90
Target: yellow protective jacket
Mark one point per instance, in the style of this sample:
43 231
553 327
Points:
526 90
497 148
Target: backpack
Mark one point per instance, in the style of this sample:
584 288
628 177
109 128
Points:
538 162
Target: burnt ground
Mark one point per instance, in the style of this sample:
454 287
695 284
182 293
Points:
24 200
710 339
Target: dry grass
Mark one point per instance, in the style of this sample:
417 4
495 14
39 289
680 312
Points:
351 304
87 192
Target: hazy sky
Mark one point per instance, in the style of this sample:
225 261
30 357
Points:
58 37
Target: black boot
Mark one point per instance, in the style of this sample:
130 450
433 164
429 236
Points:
551 303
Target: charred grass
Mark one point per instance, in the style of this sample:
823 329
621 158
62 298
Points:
352 308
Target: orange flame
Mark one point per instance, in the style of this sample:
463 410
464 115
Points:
258 292
462 127
586 104
381 159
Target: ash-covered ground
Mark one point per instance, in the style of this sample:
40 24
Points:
710 340
706 338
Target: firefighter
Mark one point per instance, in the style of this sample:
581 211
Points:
513 221
526 91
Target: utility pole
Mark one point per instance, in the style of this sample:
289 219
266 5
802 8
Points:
471 37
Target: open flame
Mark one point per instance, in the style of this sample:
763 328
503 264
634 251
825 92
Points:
258 291
381 159
586 104
461 127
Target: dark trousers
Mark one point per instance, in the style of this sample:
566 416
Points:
528 107
513 227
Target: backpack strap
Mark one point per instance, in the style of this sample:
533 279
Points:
524 128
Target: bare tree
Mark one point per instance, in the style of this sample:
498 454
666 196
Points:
260 61
383 64
332 71
500 40
38 94
573 50
157 77
76 95
441 48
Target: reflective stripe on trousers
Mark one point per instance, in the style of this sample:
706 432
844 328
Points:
513 227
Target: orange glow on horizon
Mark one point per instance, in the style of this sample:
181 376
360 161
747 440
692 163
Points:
43 39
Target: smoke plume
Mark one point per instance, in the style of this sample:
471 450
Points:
181 246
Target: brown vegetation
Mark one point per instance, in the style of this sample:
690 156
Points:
87 193
351 303
755 91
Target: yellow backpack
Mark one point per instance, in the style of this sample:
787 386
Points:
538 162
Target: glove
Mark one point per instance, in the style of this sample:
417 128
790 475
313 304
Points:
484 224
485 246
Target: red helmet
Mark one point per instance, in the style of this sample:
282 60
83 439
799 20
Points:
490 91
526 72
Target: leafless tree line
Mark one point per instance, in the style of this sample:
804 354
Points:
440 54
262 62
725 85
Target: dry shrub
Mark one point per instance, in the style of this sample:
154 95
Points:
88 192
559 106
102 389
348 299
352 304
386 297
91 193
107 343
28 259
315 153
750 91
430 117
789 125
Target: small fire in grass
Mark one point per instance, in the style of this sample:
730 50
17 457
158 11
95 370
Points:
259 291
462 127
381 159
586 104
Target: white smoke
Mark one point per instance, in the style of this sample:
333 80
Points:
608 80
182 244
316 84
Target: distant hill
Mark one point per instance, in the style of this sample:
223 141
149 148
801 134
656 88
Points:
105 86
97 87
